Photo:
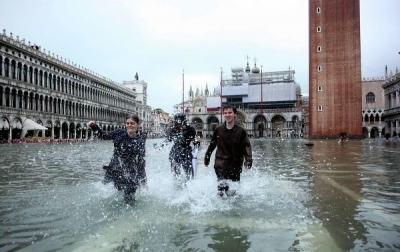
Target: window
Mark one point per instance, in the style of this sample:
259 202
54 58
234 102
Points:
319 68
318 10
319 48
370 98
319 108
234 100
6 67
319 88
318 28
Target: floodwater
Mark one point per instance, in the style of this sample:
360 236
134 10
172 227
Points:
328 197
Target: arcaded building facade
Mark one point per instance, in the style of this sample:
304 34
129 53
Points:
55 93
334 69
391 88
373 107
268 103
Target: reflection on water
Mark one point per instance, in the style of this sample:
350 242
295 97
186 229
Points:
328 197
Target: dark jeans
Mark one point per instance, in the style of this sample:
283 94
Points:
230 174
223 175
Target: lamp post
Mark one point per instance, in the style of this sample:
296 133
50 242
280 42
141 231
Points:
183 90
261 93
221 95
261 110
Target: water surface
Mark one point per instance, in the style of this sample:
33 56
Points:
328 197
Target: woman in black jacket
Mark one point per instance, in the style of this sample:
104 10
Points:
127 165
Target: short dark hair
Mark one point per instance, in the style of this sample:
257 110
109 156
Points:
229 106
133 117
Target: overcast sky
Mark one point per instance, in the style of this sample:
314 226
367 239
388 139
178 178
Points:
160 38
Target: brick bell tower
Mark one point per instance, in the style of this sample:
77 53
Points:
334 69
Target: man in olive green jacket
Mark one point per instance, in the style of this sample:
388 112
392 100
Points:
233 150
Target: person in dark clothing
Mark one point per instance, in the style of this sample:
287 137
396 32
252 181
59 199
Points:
394 137
180 156
387 137
233 150
342 136
127 165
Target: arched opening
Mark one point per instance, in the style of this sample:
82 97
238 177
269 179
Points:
16 126
49 126
71 134
259 125
198 126
4 130
57 130
64 130
374 132
212 123
277 129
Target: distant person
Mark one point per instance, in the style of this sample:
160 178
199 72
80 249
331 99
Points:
341 137
182 135
394 137
233 150
387 137
127 166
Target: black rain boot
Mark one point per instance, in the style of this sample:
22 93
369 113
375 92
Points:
222 188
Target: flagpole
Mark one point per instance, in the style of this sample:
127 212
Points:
261 94
262 114
221 95
183 90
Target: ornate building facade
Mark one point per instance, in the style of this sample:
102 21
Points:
268 103
391 88
55 93
373 107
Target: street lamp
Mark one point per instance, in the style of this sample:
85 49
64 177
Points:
183 90
261 108
221 94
